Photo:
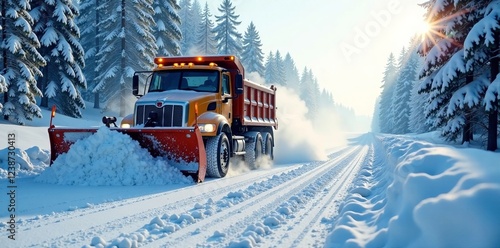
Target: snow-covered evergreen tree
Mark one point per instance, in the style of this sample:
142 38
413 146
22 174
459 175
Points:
385 114
59 35
167 32
129 46
292 78
270 73
280 70
407 78
325 99
455 92
187 26
91 13
418 122
309 92
228 37
481 46
206 44
196 12
398 81
252 56
21 62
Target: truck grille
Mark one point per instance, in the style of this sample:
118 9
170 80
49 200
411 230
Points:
168 115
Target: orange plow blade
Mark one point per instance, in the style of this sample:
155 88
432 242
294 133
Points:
183 148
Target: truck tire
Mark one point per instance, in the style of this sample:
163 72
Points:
218 155
253 150
268 149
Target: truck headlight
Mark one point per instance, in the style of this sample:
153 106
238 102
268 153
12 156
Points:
125 125
207 128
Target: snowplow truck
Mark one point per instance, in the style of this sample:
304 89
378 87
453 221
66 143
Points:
197 112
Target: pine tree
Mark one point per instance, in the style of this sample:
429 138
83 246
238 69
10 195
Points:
206 43
292 78
454 91
309 92
167 32
385 114
325 99
406 79
91 13
186 26
252 55
418 122
228 38
398 81
62 77
270 69
481 46
280 69
196 18
129 46
21 62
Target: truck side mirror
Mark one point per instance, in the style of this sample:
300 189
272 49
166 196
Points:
135 85
239 84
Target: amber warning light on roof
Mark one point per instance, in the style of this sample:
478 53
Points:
190 61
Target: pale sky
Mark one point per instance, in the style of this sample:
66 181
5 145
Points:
346 43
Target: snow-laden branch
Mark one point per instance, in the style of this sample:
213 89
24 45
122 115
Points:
468 95
492 93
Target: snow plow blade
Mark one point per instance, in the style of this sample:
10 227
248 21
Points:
183 148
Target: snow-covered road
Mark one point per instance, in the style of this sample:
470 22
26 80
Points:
375 191
286 205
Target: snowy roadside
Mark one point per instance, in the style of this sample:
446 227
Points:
419 194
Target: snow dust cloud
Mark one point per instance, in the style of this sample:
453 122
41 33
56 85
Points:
238 165
298 138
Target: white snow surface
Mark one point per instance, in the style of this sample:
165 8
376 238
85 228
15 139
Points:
372 191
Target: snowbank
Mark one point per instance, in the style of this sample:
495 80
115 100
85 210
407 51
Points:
430 196
110 158
30 162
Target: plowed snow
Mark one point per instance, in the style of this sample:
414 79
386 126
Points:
110 158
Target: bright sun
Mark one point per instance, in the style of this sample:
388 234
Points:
423 28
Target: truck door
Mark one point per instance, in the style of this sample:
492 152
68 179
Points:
227 103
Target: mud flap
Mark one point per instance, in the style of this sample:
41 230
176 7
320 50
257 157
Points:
182 147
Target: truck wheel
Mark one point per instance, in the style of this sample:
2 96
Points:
268 146
218 155
253 151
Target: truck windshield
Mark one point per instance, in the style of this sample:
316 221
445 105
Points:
197 80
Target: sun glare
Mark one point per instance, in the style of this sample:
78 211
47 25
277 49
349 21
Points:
423 28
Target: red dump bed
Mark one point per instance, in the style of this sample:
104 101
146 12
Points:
256 106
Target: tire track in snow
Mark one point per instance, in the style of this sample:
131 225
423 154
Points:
124 215
326 207
230 221
316 201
